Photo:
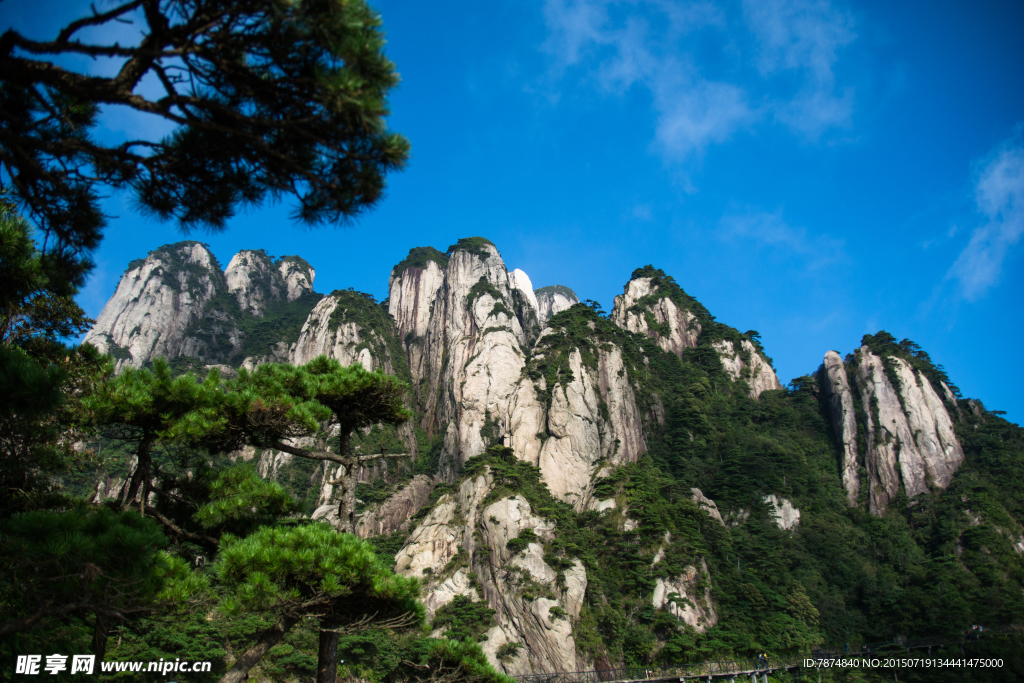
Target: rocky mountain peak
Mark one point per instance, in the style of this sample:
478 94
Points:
250 277
156 302
256 279
297 275
519 280
412 287
554 299
653 305
909 435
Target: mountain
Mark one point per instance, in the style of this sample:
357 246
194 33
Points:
594 490
178 303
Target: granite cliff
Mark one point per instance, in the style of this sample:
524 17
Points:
585 486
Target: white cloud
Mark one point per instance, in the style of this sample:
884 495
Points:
772 231
803 37
779 53
999 194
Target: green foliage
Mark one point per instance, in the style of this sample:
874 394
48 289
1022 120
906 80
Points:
387 546
480 288
240 500
316 569
419 257
306 119
281 322
473 245
508 651
38 372
392 658
79 561
274 401
884 344
557 289
464 619
519 543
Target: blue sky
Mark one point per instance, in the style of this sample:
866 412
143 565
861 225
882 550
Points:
814 170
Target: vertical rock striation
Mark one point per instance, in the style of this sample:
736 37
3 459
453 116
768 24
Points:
836 388
473 353
157 303
591 425
412 289
464 540
910 438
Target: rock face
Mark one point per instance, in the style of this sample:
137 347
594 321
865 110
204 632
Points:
673 328
473 354
338 327
707 505
462 541
910 436
157 303
683 597
591 423
786 515
488 364
748 365
554 299
256 281
836 388
656 307
520 281
411 300
394 513
172 303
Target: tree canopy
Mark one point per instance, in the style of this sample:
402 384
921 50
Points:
269 98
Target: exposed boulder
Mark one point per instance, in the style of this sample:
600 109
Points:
394 513
688 597
785 514
708 505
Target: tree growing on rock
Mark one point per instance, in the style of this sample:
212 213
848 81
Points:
274 404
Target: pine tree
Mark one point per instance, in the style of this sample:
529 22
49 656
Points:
275 403
270 98
313 571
